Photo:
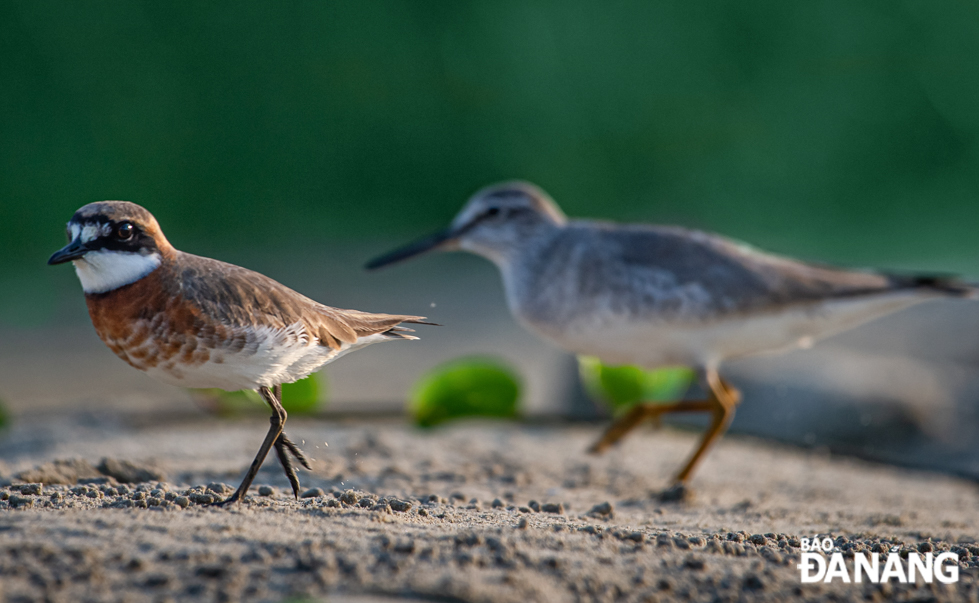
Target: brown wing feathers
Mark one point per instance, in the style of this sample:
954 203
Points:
245 298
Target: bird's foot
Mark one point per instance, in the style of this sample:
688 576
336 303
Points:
599 447
295 451
234 499
678 492
283 448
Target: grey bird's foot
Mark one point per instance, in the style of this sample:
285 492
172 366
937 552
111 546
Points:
678 492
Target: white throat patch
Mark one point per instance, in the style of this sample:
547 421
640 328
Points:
103 270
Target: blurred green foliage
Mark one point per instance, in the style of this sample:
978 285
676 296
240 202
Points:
4 415
303 397
842 130
465 388
620 387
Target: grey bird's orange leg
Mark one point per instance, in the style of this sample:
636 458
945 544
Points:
725 399
721 403
283 448
277 421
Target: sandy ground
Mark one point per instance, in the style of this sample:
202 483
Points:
474 512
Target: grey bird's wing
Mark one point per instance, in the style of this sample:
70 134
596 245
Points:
641 270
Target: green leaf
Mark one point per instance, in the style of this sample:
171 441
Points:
4 415
467 387
298 398
302 397
620 387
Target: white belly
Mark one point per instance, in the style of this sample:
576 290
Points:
279 356
654 343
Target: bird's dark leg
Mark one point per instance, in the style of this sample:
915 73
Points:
283 448
277 421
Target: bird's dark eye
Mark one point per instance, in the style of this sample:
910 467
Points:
492 211
125 231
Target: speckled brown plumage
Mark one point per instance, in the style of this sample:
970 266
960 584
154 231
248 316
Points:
194 309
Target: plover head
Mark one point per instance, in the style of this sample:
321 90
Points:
494 222
112 244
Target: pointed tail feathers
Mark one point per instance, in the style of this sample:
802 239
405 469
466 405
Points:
944 284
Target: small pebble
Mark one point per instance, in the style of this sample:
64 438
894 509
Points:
34 489
497 503
17 501
219 488
534 505
603 509
553 508
349 497
753 582
266 491
401 506
694 562
522 524
182 501
312 493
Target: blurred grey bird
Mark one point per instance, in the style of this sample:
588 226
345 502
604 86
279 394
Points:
656 295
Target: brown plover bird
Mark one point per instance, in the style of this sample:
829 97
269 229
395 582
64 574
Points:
654 295
196 322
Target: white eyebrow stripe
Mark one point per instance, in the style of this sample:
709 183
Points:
89 231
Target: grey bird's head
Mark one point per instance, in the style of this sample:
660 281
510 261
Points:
494 222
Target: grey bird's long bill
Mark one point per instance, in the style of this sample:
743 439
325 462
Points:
412 249
71 251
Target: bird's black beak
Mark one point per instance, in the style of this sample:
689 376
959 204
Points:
71 251
412 249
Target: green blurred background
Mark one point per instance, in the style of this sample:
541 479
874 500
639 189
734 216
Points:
843 131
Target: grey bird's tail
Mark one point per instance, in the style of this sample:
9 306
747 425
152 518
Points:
937 283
